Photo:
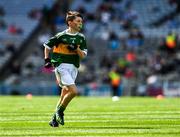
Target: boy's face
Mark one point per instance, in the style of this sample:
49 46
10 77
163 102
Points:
76 24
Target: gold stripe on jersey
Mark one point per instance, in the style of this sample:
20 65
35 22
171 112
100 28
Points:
63 49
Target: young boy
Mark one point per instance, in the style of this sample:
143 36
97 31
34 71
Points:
68 48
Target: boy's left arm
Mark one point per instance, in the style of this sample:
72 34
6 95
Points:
82 53
82 49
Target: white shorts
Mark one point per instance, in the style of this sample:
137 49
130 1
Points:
66 74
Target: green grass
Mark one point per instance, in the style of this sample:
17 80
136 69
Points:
91 116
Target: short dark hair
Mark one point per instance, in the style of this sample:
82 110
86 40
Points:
71 15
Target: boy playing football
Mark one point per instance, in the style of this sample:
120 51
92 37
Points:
68 48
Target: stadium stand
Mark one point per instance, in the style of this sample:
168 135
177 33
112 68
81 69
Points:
121 33
18 26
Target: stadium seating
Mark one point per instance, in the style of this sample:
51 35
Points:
16 13
97 33
151 10
22 7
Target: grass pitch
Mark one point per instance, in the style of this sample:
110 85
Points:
91 116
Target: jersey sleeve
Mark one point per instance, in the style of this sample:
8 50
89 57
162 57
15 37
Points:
84 46
51 42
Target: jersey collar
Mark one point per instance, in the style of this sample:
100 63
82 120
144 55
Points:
73 34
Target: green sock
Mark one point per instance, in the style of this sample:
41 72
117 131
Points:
60 108
54 117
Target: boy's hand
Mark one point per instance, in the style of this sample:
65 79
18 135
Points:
47 63
72 47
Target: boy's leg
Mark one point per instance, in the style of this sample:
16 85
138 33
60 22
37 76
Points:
72 92
66 80
64 91
53 121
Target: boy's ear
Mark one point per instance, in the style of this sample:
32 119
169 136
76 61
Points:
69 23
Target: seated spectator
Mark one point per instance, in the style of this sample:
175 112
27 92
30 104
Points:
129 17
176 3
135 38
82 10
16 68
129 73
35 14
105 13
2 11
172 23
3 24
122 65
10 47
59 19
14 78
13 29
106 62
113 41
131 56
2 49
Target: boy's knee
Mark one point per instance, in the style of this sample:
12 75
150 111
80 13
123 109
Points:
74 91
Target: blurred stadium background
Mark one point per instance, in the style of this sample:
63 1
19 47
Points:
140 39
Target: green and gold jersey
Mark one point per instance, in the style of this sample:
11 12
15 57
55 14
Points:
61 53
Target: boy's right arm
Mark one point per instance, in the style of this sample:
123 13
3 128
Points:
46 58
46 53
48 46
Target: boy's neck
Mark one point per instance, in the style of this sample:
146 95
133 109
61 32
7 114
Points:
72 31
